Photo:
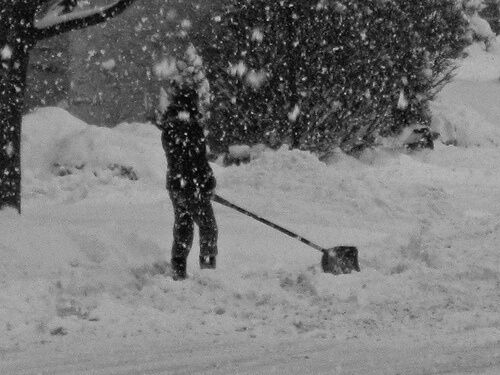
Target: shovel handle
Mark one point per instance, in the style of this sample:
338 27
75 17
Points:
220 200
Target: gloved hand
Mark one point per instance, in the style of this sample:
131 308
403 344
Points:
212 194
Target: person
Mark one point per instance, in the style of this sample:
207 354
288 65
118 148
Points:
190 179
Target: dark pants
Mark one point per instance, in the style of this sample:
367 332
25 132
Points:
190 209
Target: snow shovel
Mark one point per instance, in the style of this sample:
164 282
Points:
336 260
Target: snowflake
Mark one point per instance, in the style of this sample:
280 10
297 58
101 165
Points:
256 78
292 116
238 69
184 116
186 24
109 64
9 149
6 52
257 35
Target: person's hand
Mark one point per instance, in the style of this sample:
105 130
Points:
211 184
211 194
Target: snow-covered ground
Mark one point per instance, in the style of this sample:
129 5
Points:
84 278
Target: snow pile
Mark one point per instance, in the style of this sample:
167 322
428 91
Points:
480 65
64 158
466 113
95 265
460 125
481 28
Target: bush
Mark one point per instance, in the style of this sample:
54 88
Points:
324 74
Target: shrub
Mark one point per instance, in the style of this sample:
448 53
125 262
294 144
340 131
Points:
324 74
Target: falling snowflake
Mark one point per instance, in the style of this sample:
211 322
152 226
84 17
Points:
186 24
238 69
166 69
109 64
9 149
402 101
256 78
184 116
292 116
164 100
257 35
6 53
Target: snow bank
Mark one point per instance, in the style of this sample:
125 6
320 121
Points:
98 267
463 126
481 29
67 159
480 65
467 111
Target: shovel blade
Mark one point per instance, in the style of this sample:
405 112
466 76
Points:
340 260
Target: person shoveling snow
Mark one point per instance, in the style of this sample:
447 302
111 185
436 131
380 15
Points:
190 179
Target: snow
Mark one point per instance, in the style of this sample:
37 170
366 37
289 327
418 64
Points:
402 101
186 24
164 100
480 65
6 52
257 35
109 64
9 150
239 69
292 116
187 69
481 27
256 78
166 69
87 262
240 152
184 116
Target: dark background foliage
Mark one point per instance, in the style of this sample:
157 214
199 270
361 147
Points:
355 69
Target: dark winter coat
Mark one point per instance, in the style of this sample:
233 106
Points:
185 147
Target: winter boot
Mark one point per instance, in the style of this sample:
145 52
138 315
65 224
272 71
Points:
179 268
207 262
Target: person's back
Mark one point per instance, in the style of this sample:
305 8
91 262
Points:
190 180
185 147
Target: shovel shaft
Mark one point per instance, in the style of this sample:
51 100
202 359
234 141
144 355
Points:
226 203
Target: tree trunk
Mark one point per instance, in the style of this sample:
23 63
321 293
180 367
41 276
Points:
15 43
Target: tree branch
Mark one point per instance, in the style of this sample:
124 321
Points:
70 22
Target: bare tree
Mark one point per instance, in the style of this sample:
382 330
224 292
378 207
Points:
22 24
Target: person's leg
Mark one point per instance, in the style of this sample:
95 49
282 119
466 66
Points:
183 234
205 218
